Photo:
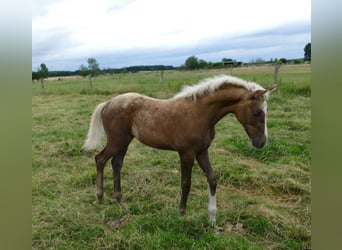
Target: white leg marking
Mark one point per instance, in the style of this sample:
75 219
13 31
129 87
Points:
212 209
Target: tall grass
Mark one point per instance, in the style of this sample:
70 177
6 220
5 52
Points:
263 195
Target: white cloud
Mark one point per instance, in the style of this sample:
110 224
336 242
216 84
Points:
74 29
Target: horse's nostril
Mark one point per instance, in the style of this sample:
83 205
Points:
259 143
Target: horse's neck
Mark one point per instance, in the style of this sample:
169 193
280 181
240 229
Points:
222 102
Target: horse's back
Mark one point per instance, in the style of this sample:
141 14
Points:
123 101
141 116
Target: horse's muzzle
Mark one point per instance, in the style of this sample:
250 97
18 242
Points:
259 142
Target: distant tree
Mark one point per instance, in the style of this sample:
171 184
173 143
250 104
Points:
259 60
84 71
42 72
91 71
307 52
111 71
202 64
35 76
283 60
209 65
191 63
298 61
94 69
217 65
93 66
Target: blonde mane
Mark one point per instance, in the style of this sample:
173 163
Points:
210 85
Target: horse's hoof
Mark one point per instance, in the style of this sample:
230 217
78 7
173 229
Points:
117 197
97 202
212 221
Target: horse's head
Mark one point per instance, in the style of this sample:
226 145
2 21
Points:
252 113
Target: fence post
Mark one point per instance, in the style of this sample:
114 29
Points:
276 71
161 76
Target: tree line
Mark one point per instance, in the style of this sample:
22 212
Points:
191 63
130 69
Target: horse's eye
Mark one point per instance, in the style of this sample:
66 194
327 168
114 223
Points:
257 113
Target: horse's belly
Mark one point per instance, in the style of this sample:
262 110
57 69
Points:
152 137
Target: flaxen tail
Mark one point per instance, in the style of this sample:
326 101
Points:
96 131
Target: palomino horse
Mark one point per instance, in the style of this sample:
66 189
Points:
184 123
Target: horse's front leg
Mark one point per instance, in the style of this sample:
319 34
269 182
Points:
187 161
203 160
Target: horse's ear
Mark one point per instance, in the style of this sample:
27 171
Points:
260 92
270 88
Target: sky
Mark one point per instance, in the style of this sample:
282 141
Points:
121 33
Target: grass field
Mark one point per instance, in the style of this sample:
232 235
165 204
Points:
263 195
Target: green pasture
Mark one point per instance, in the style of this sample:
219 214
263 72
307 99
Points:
263 196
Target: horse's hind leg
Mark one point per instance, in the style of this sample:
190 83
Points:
117 161
101 160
